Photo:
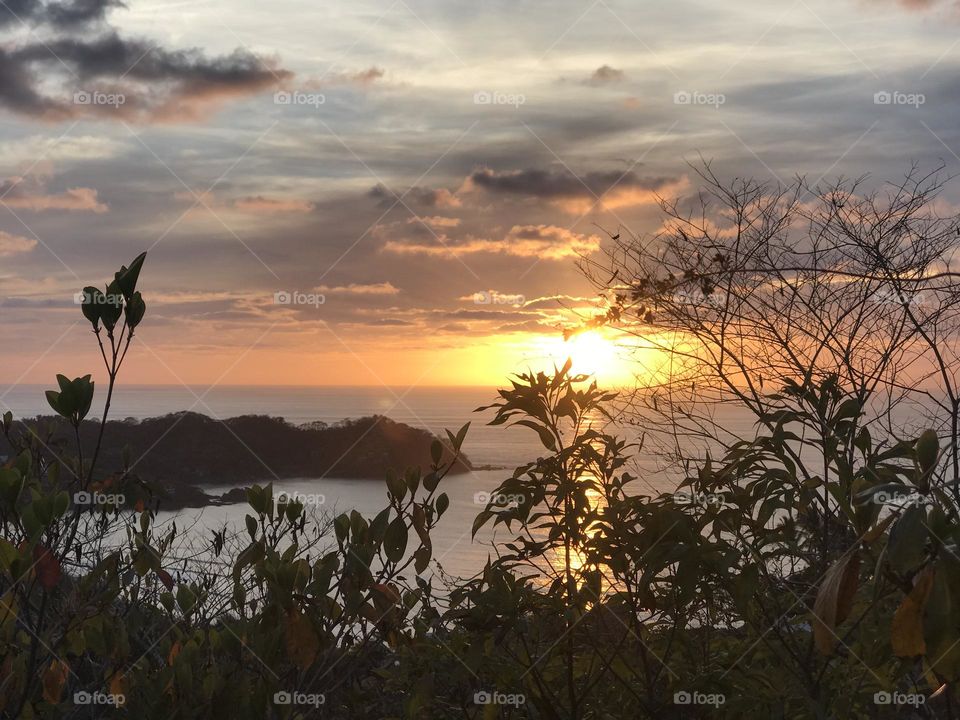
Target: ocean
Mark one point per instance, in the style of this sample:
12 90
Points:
433 409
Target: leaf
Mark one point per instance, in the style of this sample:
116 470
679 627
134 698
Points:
546 438
126 278
118 687
48 567
421 558
165 578
443 502
906 633
906 546
92 300
395 540
420 525
54 678
834 600
302 641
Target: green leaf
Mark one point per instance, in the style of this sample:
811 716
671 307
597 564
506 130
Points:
395 540
126 278
92 302
443 502
134 310
908 537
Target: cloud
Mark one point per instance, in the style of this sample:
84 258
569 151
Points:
424 196
62 15
360 78
383 288
576 193
605 75
141 80
547 242
435 221
261 204
14 244
29 193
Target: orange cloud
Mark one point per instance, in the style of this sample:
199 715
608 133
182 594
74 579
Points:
548 242
14 244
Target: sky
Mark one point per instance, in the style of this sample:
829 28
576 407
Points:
397 192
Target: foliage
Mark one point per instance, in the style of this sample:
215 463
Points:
802 572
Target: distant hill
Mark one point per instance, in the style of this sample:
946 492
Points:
185 451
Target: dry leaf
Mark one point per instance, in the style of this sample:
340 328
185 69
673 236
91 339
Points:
906 634
835 600
54 678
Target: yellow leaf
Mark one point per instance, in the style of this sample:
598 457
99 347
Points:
302 642
118 688
54 678
174 651
835 600
906 635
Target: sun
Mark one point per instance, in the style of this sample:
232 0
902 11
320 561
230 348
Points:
590 352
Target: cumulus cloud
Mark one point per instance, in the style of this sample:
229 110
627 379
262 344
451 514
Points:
547 242
15 244
423 196
29 193
63 15
63 75
576 193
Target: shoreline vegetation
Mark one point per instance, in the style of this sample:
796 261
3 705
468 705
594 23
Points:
174 457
